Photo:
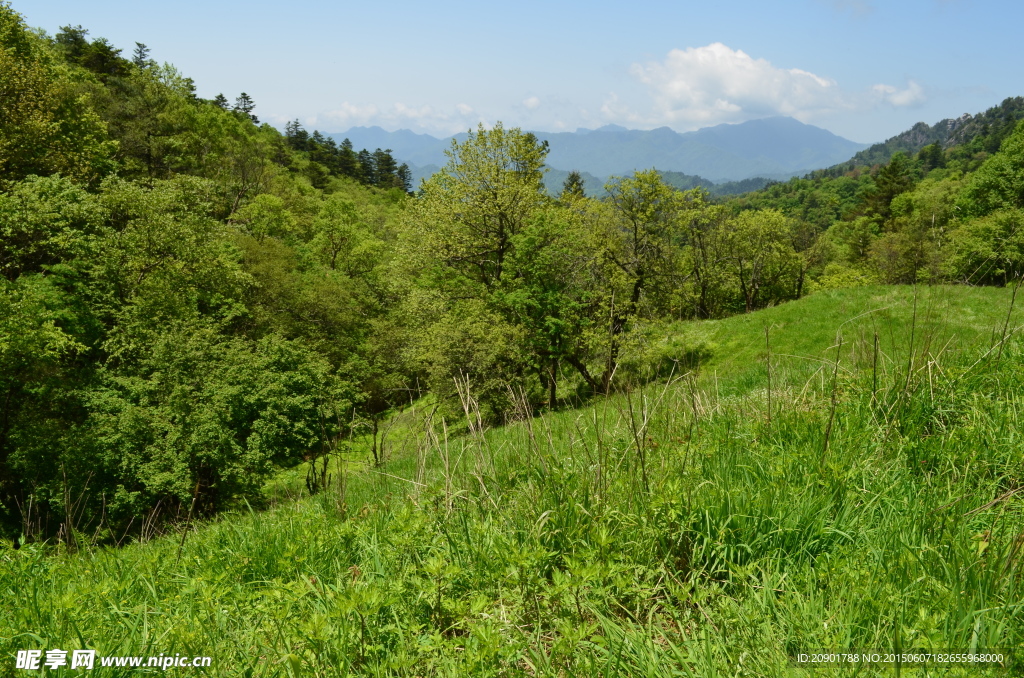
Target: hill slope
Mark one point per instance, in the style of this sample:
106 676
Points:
631 537
994 124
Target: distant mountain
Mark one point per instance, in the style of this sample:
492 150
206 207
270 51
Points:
685 182
773 148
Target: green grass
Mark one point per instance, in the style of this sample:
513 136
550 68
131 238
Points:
670 531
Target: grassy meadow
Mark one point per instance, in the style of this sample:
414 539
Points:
849 478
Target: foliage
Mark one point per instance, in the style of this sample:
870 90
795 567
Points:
759 253
999 183
47 125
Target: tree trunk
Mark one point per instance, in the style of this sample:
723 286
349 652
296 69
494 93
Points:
373 447
584 372
553 384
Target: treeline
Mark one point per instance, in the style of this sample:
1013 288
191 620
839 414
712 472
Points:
190 300
330 158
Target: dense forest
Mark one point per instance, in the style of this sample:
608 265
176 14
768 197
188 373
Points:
191 299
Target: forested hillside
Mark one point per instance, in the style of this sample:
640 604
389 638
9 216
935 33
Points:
941 214
981 132
187 297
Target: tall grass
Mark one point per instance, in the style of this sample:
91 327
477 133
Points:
678 528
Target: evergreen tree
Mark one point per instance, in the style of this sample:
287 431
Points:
404 175
572 187
297 137
140 57
367 173
891 180
348 164
71 41
245 104
931 156
221 101
386 169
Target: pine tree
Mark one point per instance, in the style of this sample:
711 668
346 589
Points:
348 165
245 104
71 41
572 188
141 56
930 157
221 101
891 180
297 137
386 169
404 175
367 172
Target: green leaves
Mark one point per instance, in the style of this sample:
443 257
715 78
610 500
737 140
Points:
47 125
481 199
223 413
44 221
761 257
999 183
988 250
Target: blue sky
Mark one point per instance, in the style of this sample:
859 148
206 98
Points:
864 69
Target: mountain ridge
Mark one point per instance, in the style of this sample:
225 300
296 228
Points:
773 148
995 123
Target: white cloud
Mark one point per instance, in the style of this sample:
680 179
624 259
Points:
614 109
531 102
912 95
706 85
701 86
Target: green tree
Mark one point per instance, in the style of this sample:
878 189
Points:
140 57
33 353
987 250
641 249
551 295
761 258
266 215
892 179
572 187
47 126
203 415
704 256
482 198
460 247
45 221
931 157
341 238
245 105
999 182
